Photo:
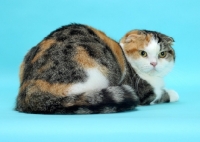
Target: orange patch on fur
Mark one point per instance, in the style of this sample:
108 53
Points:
44 45
114 46
134 41
21 71
24 86
86 61
56 89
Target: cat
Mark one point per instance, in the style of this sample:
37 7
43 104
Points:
151 55
77 69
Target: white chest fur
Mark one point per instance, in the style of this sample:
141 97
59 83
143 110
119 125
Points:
156 82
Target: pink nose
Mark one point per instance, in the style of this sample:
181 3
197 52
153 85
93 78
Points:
153 63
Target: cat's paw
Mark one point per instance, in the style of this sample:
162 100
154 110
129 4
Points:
173 95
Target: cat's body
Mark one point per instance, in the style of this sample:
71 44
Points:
78 69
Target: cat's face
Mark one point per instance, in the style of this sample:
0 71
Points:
149 52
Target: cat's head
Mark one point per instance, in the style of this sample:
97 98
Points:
149 52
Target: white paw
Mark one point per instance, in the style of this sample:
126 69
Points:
173 95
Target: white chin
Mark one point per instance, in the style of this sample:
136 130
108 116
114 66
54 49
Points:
152 72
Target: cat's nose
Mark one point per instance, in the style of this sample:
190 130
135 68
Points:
153 63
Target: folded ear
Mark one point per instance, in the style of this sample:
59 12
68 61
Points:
167 39
135 36
131 37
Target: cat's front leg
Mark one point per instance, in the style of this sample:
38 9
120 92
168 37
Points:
173 95
167 96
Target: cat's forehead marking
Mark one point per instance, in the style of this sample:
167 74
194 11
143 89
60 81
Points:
134 41
153 48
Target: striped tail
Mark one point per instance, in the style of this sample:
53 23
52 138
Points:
108 100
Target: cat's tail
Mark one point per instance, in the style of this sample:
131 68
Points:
108 100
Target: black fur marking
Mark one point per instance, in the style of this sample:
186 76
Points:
155 34
28 68
164 98
147 98
76 32
31 54
91 32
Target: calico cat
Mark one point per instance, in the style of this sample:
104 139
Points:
151 56
77 69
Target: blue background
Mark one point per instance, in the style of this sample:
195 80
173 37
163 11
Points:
24 23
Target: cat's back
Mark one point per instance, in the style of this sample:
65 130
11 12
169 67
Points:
75 67
70 49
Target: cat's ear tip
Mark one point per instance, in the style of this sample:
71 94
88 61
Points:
125 40
171 40
131 36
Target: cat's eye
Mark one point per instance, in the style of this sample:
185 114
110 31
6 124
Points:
143 53
162 54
